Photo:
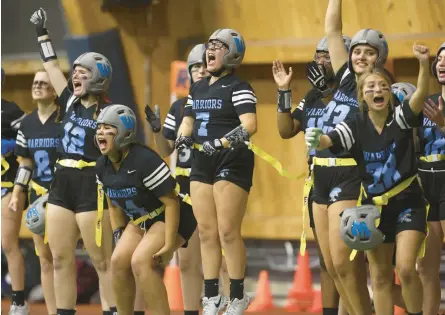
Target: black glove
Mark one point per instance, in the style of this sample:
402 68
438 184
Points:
183 142
153 118
316 76
117 234
39 19
210 147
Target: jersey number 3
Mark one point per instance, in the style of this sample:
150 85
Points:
74 139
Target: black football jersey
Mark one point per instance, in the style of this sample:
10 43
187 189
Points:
343 105
170 131
39 142
78 129
433 140
141 180
385 159
217 107
308 112
12 116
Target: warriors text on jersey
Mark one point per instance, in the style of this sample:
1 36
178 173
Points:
308 112
217 107
170 131
39 141
141 180
433 143
78 129
384 159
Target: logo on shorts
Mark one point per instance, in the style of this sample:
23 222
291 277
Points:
333 195
223 173
405 216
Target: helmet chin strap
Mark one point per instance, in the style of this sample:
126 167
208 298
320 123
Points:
218 72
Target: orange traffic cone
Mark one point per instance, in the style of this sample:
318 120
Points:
398 310
263 297
301 296
317 304
172 281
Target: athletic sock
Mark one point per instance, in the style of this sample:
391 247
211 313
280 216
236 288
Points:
236 289
18 298
211 287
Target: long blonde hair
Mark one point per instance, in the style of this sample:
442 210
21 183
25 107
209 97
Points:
361 83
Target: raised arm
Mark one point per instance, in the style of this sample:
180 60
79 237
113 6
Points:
416 103
165 146
287 126
333 28
47 52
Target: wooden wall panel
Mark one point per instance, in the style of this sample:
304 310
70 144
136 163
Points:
290 29
274 208
407 70
18 89
275 202
150 40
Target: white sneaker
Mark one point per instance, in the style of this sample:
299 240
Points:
212 306
18 310
237 306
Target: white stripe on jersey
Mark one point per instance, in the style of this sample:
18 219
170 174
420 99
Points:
243 91
16 123
98 181
347 71
301 104
189 102
70 102
157 177
400 118
170 122
346 137
244 98
20 140
243 102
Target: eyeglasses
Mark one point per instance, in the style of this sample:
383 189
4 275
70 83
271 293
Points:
42 84
318 56
216 45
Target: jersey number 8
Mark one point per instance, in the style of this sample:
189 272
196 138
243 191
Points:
41 158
